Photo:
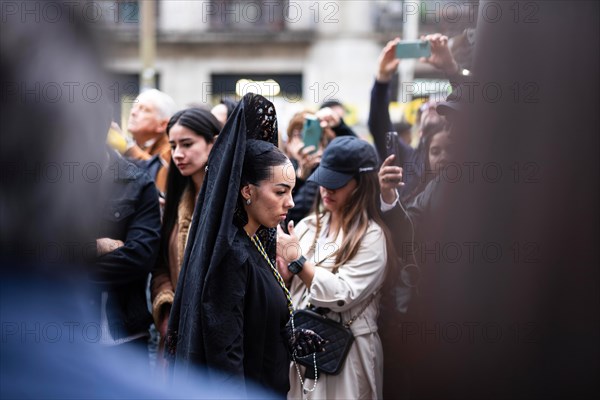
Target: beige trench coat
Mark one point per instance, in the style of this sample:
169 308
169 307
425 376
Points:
346 292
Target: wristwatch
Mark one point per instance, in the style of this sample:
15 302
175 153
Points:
295 267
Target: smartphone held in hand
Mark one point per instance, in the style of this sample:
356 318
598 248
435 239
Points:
391 147
312 132
413 49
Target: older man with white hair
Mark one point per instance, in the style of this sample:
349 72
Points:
147 124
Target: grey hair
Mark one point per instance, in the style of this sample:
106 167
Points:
165 105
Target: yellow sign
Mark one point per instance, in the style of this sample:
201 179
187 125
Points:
406 111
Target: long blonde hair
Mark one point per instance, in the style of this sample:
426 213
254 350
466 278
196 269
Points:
361 208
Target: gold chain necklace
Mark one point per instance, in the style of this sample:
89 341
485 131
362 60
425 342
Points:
276 273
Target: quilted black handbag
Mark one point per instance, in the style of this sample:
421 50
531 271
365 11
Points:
339 340
338 335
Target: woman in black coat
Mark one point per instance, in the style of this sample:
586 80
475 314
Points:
230 310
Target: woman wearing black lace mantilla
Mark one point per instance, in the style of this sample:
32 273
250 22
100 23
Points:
231 306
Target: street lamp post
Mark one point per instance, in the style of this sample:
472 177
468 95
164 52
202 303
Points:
410 31
147 44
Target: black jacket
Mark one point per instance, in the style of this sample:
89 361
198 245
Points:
243 313
131 214
410 159
217 320
412 247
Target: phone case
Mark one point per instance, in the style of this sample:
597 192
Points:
413 49
311 133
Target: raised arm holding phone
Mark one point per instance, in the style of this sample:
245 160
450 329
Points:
379 117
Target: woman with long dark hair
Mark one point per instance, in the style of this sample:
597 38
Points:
192 133
231 306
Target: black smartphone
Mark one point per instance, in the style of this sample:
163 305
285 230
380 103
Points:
392 147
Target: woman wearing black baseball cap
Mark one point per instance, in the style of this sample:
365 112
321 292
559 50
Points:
337 259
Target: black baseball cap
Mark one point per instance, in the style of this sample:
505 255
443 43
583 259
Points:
343 159
454 103
332 103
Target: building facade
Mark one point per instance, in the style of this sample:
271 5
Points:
297 53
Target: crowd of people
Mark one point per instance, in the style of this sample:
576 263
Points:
207 233
250 233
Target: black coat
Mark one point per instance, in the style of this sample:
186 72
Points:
131 214
219 318
240 315
411 160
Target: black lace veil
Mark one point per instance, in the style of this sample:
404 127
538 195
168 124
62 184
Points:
217 216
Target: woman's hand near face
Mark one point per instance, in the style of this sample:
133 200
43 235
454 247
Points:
288 246
288 249
283 270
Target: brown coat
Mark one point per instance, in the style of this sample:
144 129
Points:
163 149
164 277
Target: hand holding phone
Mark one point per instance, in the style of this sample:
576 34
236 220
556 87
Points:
413 49
390 173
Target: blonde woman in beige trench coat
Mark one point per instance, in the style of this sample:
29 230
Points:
338 260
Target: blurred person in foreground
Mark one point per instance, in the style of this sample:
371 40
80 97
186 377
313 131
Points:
50 330
405 219
127 247
519 291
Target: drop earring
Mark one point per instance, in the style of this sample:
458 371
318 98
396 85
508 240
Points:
248 202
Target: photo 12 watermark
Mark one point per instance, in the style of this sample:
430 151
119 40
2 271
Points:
70 11
49 332
473 92
71 172
471 252
476 172
270 11
467 332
